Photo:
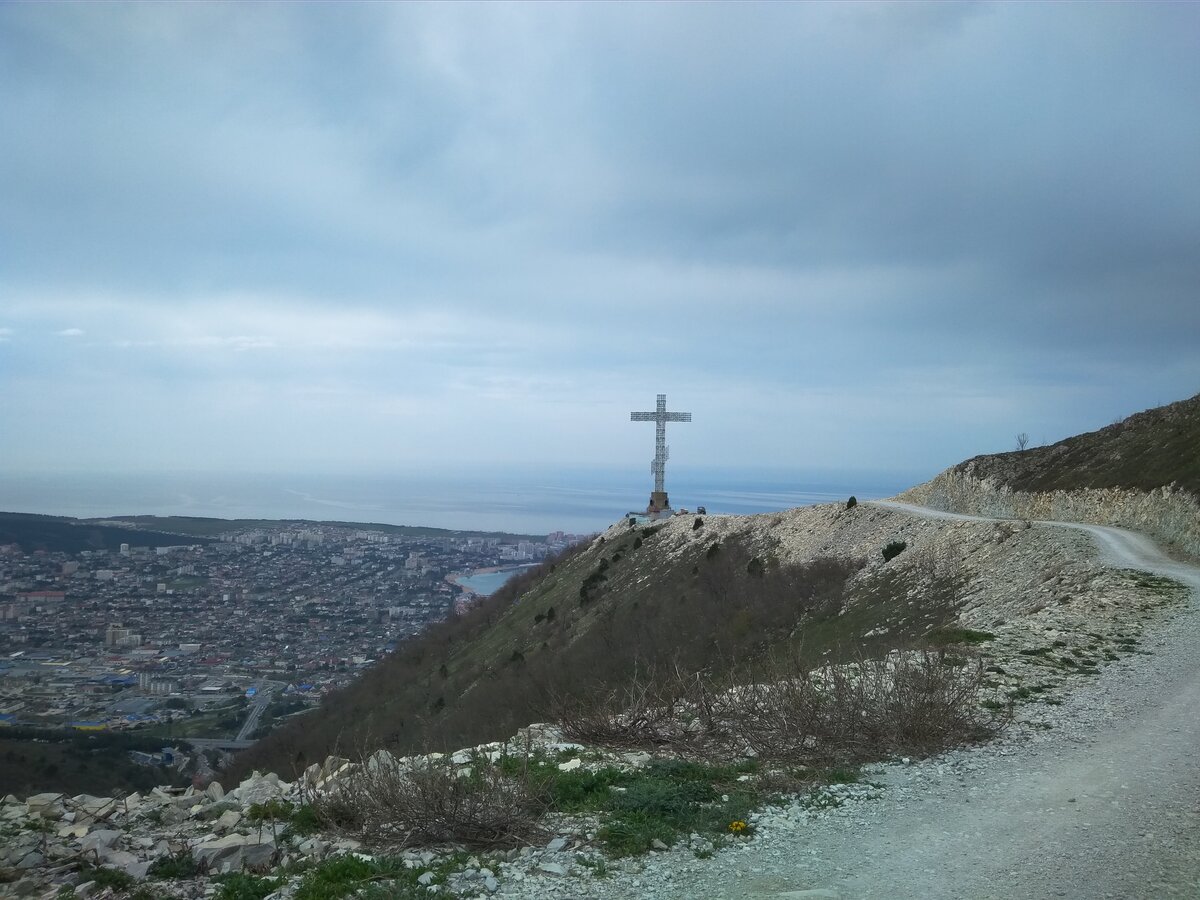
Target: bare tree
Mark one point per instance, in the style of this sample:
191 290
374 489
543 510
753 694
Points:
1022 441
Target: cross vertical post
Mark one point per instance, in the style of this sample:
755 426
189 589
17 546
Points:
658 467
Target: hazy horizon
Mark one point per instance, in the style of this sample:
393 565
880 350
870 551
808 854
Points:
518 500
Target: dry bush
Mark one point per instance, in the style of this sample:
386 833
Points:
910 702
432 801
656 708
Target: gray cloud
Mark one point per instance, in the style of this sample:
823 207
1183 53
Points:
874 235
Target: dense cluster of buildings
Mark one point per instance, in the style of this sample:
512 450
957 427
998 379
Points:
118 638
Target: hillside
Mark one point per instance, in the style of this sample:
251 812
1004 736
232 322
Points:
36 760
872 767
713 596
717 593
1147 450
62 534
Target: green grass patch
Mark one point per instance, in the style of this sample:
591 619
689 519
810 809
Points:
240 886
942 637
660 802
379 878
582 790
304 821
106 878
271 811
174 868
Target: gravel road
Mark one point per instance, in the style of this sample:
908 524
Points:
1105 804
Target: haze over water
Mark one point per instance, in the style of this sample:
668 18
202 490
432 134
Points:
523 501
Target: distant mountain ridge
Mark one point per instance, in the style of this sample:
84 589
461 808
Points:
63 534
66 534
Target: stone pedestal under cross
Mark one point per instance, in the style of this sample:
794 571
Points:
660 417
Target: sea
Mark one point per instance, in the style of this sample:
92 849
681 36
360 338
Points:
520 500
485 583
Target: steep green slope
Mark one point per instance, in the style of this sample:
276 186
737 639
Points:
591 619
1150 449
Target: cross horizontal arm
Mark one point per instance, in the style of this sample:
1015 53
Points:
659 417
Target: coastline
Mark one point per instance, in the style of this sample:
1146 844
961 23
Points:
457 578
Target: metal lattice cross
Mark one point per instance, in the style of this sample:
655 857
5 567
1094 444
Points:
660 417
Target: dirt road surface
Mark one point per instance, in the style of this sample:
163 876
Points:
1105 805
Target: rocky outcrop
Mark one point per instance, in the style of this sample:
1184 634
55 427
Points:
52 844
1169 515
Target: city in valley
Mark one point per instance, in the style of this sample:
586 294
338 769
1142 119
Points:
216 639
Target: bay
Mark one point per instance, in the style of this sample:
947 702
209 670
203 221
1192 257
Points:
485 583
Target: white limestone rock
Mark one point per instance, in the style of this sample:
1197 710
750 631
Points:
259 788
46 806
235 852
100 840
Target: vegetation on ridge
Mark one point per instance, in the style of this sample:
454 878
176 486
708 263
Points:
589 621
62 534
33 760
1147 450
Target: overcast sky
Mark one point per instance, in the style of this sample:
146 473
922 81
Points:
297 237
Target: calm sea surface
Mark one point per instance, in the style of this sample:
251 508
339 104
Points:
485 583
527 502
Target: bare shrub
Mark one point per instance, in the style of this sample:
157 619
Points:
655 708
929 704
432 801
907 703
910 702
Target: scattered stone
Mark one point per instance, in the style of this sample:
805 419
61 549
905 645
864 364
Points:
47 806
235 852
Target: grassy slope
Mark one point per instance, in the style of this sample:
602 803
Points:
1157 447
489 674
